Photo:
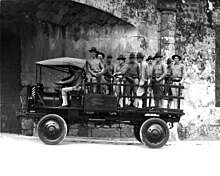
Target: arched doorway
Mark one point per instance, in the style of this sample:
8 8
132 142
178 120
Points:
10 86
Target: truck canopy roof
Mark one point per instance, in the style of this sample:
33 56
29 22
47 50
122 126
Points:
63 61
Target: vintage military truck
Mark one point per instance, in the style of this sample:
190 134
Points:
53 120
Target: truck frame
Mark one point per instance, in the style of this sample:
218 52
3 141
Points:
53 121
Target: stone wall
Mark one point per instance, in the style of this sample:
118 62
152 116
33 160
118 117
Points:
217 65
196 42
182 27
45 41
40 39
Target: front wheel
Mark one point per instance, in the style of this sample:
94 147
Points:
52 129
154 133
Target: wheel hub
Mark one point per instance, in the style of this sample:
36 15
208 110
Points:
52 125
51 129
155 131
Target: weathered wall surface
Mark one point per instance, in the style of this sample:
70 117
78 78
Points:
39 41
196 42
217 66
44 40
63 28
187 32
117 38
109 34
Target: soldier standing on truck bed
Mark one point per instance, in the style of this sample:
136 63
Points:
143 77
95 69
168 81
178 75
132 77
150 101
108 75
158 74
119 71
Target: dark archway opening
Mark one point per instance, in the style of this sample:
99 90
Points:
31 31
10 86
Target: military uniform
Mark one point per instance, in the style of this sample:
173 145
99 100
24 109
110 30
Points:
158 73
150 70
150 101
132 72
132 77
168 80
119 71
108 76
109 71
94 68
143 77
178 73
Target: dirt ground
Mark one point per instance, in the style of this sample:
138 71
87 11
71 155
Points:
22 155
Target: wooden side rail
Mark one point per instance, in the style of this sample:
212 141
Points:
146 95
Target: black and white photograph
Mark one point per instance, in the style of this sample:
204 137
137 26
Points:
109 87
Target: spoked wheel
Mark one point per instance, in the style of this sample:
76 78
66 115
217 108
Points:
137 132
154 133
52 129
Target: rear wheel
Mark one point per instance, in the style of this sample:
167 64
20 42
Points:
154 133
52 129
137 132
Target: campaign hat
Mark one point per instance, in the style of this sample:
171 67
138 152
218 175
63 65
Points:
109 56
149 58
93 49
140 55
176 55
132 55
121 57
169 60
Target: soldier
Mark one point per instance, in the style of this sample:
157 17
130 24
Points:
158 74
150 61
168 80
101 56
132 77
95 68
101 88
178 75
143 77
108 74
73 82
119 71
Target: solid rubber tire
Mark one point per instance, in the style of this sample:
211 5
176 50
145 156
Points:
57 118
144 137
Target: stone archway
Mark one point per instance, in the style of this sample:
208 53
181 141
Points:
10 86
31 32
